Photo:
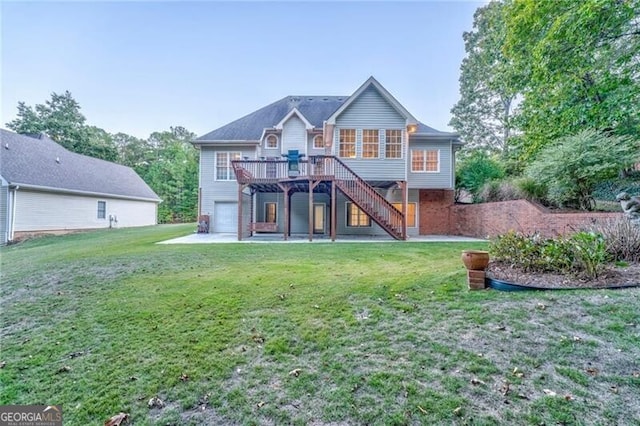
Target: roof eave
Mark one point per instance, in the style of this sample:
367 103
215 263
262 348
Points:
18 185
225 142
410 119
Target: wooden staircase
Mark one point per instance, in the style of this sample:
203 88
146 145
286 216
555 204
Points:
326 168
368 200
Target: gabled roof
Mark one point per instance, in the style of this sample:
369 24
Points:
39 162
383 92
291 113
315 109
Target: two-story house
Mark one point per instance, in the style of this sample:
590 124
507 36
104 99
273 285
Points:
332 165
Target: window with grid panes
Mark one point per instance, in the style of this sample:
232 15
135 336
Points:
393 143
425 160
356 217
370 143
224 170
411 213
347 143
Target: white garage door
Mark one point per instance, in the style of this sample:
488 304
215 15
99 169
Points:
225 217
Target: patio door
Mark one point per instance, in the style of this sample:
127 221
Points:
319 210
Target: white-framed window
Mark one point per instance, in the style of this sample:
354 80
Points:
356 217
425 160
347 143
270 212
370 143
411 213
224 170
318 142
102 209
393 143
271 142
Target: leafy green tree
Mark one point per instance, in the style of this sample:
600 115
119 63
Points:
578 62
484 113
60 118
475 169
173 174
572 166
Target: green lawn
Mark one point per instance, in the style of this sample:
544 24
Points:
340 334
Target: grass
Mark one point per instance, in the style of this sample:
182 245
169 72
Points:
375 333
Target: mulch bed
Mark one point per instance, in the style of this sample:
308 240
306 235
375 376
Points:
612 277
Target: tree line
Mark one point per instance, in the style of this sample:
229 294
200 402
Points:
166 160
543 75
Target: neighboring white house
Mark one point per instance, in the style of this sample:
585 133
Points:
46 188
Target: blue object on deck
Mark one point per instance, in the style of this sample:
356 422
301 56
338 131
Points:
293 158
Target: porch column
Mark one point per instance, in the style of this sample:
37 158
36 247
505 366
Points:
333 210
240 189
285 188
312 186
405 208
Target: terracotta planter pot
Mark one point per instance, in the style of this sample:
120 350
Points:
475 260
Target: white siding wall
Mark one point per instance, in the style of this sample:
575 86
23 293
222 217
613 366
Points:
294 135
41 211
4 214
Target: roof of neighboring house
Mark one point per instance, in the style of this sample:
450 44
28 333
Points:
39 162
316 109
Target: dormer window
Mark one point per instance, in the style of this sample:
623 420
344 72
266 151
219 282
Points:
272 142
318 142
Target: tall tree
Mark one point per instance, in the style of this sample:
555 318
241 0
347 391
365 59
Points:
60 118
483 115
173 174
579 62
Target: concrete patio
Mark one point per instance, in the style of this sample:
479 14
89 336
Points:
221 238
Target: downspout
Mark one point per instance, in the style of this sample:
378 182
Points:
13 213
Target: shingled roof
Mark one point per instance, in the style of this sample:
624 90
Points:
39 162
316 109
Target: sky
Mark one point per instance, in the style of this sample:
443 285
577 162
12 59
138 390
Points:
140 67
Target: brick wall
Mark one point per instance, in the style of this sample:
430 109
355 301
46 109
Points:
435 211
490 219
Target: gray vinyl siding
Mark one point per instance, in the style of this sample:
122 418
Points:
299 210
371 111
213 190
310 149
374 229
434 180
4 214
294 135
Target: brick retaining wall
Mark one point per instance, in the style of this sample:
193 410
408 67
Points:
490 219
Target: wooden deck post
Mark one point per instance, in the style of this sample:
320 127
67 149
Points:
287 224
311 185
240 189
405 208
333 210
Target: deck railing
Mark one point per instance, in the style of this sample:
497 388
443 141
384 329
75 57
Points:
326 167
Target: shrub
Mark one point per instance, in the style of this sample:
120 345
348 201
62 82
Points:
622 239
474 170
572 166
590 253
533 253
607 190
582 253
499 190
532 190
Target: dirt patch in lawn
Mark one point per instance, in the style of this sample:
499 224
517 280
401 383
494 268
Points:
612 277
